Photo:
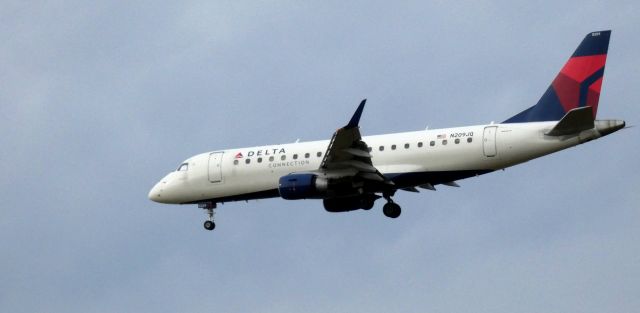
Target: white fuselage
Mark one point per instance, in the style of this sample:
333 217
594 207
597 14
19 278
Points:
238 174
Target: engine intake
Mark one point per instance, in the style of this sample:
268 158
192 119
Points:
302 186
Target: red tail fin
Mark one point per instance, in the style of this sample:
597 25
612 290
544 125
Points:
577 85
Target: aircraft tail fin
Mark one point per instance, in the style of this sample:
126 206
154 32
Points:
577 85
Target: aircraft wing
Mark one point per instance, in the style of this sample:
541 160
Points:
347 152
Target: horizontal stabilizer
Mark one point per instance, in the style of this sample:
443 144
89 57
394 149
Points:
573 122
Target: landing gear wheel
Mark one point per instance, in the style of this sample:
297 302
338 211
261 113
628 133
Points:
391 210
209 206
209 225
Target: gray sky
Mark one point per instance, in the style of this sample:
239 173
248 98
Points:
100 100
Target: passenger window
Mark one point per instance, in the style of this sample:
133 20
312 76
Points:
271 159
259 160
432 143
393 147
295 156
247 161
283 157
381 148
235 162
457 141
469 139
319 154
420 144
444 142
406 146
306 155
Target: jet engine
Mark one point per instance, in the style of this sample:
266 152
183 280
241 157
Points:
302 186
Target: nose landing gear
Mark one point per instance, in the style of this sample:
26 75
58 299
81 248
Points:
209 224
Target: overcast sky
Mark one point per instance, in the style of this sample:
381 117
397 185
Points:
99 100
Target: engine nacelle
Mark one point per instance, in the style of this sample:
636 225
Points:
349 203
302 186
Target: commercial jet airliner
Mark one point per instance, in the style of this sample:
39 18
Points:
350 172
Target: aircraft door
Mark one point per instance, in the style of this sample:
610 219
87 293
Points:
489 141
215 167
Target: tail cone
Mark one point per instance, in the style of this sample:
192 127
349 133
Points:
606 127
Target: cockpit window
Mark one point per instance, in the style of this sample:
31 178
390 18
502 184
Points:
183 167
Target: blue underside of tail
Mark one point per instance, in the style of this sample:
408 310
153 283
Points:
548 108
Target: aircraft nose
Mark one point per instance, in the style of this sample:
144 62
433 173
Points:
155 193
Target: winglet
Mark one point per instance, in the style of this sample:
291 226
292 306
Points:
355 119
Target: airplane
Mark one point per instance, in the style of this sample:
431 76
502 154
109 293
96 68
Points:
350 171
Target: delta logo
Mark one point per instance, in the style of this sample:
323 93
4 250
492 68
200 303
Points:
263 152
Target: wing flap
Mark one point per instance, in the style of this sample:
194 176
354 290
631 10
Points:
359 165
371 176
358 152
451 184
428 186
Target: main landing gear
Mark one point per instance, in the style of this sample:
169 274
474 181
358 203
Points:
391 209
209 224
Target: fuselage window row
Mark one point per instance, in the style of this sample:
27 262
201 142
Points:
380 148
283 157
